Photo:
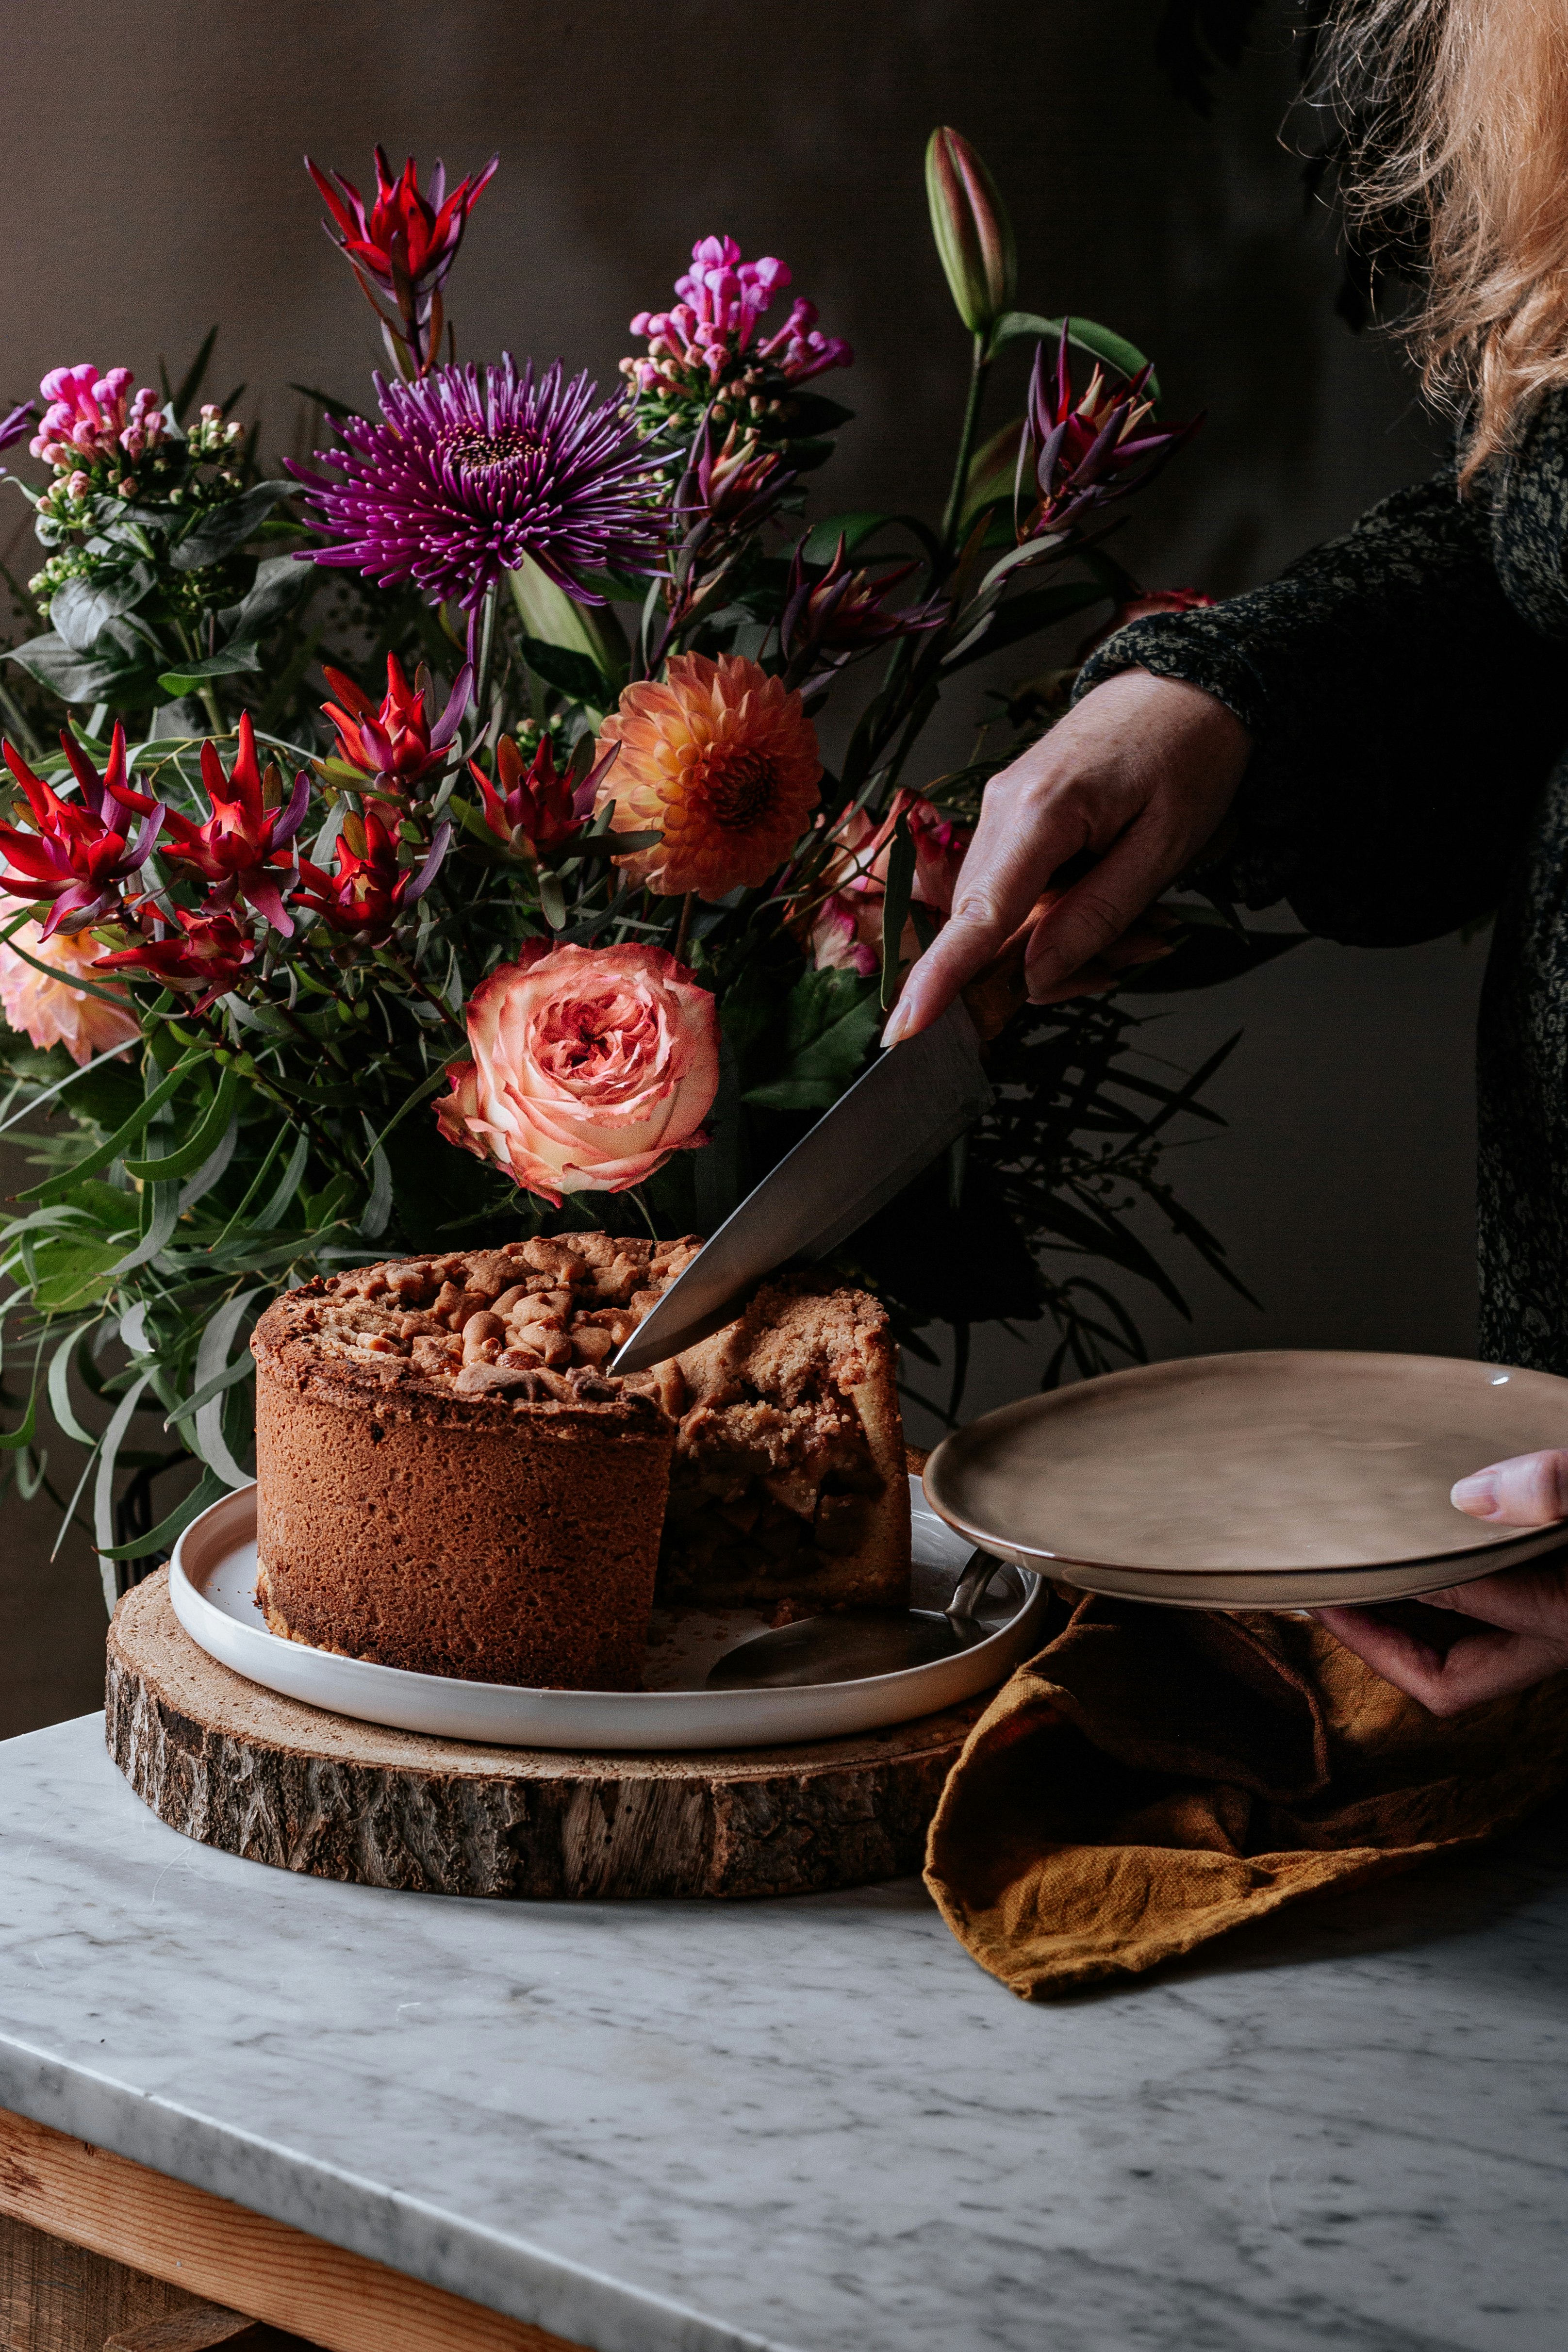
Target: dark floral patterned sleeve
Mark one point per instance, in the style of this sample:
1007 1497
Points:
1404 718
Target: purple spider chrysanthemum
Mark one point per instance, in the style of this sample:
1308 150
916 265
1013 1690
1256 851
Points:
475 467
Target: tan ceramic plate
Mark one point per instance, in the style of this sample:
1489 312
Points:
1264 1480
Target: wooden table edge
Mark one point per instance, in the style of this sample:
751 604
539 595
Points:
213 2248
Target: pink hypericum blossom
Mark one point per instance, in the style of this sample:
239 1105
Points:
50 1010
368 889
83 850
404 244
711 333
846 930
590 1066
89 417
243 843
536 811
1077 453
396 745
207 952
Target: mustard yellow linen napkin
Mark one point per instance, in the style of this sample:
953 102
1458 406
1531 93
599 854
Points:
1156 1777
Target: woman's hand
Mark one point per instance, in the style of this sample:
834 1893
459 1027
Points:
1141 774
1524 1610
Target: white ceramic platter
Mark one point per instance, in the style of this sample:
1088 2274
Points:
212 1582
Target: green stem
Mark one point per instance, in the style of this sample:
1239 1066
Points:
683 927
979 369
486 656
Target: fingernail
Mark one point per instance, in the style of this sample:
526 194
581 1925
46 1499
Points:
900 1023
1478 1496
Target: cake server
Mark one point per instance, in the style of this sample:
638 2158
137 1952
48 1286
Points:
853 1644
916 1098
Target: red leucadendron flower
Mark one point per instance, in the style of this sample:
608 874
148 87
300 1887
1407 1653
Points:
369 888
207 952
537 810
396 746
242 844
83 850
404 244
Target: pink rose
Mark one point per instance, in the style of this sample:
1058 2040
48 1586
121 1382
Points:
53 1013
846 931
590 1065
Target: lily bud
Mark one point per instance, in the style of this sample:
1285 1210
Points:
973 235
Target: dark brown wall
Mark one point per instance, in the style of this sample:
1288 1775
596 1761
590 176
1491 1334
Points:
152 184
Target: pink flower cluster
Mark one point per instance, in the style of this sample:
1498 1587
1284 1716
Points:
846 929
713 326
89 417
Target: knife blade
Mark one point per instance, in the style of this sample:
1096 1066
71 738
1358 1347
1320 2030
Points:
915 1099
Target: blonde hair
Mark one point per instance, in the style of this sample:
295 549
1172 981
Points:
1453 119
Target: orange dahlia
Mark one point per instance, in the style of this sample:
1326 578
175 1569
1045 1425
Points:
722 761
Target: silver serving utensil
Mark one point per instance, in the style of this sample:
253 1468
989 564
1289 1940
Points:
856 1644
914 1101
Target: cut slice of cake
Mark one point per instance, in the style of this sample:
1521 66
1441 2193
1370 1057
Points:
788 1481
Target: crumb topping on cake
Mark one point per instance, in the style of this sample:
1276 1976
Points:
531 1323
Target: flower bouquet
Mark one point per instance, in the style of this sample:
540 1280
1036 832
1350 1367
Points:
507 822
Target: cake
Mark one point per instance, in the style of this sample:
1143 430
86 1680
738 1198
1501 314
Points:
451 1482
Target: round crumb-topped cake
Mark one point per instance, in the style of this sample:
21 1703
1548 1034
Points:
447 1482
451 1481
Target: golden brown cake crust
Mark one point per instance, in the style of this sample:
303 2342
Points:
448 1483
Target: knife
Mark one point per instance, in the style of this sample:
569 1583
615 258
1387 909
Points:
916 1098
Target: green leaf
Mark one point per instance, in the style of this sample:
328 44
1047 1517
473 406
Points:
20 1439
191 381
205 1137
68 1275
161 1208
1084 335
378 1208
60 1403
118 670
80 609
575 675
209 1489
278 1207
211 1355
1025 616
553 618
193 674
896 906
855 528
56 1186
278 584
215 531
830 1019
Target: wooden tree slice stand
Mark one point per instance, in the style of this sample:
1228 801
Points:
232 1765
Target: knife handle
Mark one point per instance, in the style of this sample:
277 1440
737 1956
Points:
999 991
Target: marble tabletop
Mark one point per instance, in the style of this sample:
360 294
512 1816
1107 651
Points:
815 2124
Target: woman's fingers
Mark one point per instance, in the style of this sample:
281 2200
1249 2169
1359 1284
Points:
1530 1600
1143 769
1529 1490
1087 921
1479 1666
